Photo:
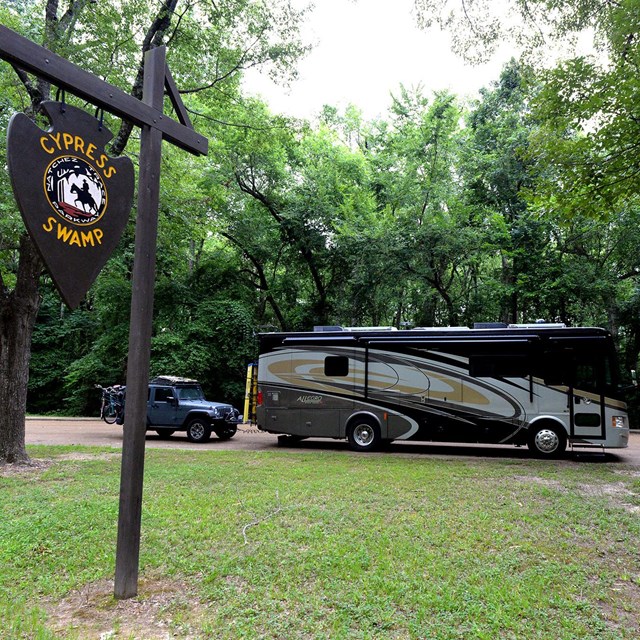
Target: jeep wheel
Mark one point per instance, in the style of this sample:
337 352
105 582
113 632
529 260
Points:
227 432
198 430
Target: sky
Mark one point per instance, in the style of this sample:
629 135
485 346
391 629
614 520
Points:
364 50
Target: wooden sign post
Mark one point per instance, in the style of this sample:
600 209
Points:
155 126
144 270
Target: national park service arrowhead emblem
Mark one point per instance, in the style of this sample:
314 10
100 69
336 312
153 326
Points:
74 199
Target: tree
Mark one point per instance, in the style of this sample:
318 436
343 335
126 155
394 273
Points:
589 133
582 137
584 105
414 159
231 36
295 186
496 173
19 303
537 28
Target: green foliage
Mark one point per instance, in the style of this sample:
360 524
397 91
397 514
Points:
58 339
588 137
518 206
538 28
213 348
210 45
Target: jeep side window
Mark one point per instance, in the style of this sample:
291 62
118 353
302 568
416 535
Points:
163 394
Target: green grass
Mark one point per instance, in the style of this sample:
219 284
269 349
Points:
324 545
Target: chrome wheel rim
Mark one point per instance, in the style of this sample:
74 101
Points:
197 431
363 435
547 441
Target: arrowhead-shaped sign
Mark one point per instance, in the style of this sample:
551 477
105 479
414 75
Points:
74 198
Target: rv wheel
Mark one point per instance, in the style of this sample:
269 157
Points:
198 431
547 441
364 435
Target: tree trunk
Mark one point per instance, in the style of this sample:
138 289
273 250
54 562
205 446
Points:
509 310
18 310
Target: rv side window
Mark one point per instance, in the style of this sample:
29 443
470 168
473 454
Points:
499 366
336 366
578 369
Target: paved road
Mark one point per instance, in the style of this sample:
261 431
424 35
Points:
92 432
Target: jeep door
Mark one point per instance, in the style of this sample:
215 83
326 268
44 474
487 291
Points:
162 407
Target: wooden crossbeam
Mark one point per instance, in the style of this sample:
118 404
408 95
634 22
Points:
33 58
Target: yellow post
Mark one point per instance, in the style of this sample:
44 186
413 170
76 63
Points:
250 394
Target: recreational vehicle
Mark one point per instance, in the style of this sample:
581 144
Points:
544 386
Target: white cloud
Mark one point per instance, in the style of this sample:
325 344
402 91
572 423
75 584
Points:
365 50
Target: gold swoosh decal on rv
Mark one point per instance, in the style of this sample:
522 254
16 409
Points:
289 370
459 392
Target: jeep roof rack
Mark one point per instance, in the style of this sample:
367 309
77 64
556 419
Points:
172 380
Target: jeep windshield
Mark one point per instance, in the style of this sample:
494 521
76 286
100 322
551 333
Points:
190 393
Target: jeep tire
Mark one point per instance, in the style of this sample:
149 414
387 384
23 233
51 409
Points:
227 432
198 430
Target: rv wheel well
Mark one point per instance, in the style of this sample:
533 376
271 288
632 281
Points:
548 421
363 415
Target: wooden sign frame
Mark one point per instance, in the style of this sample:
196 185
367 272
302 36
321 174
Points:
148 115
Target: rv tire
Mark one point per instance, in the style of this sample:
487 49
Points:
547 440
364 435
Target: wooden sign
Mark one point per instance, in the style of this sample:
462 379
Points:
155 126
74 199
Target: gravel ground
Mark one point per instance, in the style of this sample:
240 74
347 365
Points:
94 432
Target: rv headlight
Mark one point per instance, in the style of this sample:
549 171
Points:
618 422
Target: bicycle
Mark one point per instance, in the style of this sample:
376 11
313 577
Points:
112 407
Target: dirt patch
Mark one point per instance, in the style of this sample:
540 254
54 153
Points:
629 473
616 492
38 465
543 482
24 468
622 611
162 609
90 456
